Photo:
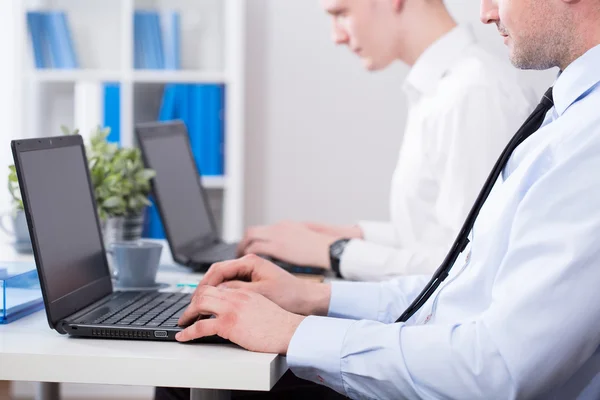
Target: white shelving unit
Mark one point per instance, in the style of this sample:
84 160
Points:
136 76
212 51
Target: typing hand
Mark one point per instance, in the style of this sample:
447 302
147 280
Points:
337 231
292 242
256 274
243 317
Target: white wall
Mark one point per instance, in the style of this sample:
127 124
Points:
323 134
9 92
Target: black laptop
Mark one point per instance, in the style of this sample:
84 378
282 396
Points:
69 252
182 202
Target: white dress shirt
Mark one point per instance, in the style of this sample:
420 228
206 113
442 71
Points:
464 105
519 315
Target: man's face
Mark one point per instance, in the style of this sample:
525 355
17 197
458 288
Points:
365 27
529 29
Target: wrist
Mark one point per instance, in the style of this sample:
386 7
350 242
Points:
318 298
324 259
294 321
356 232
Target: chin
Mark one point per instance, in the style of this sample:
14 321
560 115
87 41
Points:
370 65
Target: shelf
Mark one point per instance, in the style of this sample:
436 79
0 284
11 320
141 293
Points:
134 76
211 51
214 182
159 76
57 75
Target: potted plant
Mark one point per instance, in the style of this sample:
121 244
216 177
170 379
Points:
17 229
121 186
13 189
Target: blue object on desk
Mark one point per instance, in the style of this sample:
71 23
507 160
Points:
20 292
191 285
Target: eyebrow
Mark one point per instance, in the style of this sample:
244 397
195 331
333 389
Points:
335 10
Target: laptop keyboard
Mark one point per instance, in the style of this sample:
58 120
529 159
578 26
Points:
141 310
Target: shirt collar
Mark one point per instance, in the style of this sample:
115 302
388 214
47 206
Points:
438 58
577 80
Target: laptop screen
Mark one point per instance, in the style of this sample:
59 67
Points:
62 210
177 188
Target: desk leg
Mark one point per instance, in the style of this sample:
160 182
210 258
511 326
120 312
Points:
48 391
210 394
5 391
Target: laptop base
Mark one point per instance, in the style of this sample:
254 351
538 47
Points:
128 333
132 315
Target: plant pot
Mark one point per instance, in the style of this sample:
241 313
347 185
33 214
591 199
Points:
14 224
120 229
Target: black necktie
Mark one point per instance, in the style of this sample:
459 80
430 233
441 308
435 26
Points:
531 125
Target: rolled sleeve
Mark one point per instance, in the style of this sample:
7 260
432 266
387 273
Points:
378 232
361 260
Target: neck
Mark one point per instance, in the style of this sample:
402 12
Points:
576 53
432 23
585 38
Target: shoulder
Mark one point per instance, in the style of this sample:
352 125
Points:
481 76
578 129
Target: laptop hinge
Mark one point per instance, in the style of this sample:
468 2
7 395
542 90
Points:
77 315
60 327
183 260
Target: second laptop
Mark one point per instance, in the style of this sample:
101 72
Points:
182 202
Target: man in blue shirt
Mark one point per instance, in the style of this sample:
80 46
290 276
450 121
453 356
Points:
519 313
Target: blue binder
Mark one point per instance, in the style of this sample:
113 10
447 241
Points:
112 111
35 25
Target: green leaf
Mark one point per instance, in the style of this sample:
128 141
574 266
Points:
137 203
65 130
102 193
112 179
92 161
147 174
102 214
113 202
145 201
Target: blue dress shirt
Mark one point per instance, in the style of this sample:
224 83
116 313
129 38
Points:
519 315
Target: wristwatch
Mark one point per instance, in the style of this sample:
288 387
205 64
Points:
335 254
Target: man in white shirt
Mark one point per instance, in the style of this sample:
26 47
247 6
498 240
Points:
519 313
464 104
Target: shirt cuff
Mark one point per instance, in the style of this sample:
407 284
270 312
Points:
364 261
354 300
315 351
379 232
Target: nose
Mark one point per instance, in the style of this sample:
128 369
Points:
489 12
339 35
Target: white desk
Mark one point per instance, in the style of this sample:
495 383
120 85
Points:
31 351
